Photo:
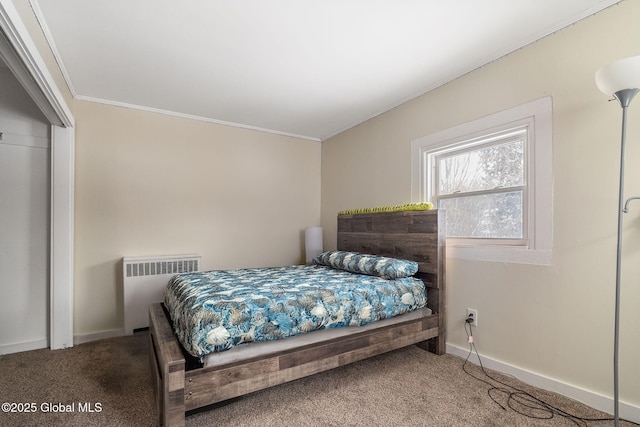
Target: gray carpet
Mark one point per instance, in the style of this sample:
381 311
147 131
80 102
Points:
407 387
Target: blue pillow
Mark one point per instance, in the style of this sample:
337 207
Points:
373 265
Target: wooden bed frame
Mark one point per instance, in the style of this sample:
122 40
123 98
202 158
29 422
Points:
414 235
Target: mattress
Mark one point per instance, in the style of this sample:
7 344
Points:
217 310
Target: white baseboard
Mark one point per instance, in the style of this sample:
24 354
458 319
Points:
590 398
23 346
77 339
85 338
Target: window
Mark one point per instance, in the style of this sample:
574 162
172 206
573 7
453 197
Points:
493 177
481 184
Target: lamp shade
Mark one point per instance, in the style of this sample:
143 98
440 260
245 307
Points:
619 75
312 242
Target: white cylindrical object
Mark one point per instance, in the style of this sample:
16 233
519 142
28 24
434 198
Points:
312 242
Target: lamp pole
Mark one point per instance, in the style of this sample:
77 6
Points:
624 97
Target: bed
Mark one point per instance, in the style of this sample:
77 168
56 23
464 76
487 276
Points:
184 382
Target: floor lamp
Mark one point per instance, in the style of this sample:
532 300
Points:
622 80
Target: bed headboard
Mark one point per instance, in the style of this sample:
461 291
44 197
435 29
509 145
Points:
413 235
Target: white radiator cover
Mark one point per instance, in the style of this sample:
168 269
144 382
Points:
144 280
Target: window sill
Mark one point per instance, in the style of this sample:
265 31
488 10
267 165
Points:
507 254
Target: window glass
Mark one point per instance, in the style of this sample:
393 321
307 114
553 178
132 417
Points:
487 216
493 166
481 184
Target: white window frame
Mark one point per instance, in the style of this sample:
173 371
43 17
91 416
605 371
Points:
537 116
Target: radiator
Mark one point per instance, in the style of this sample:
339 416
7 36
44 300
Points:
144 280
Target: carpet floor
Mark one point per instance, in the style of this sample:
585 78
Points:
108 383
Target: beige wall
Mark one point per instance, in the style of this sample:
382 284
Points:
555 321
151 184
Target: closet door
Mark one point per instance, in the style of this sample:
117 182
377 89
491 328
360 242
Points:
24 220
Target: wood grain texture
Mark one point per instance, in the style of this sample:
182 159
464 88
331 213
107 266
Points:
168 368
408 235
415 235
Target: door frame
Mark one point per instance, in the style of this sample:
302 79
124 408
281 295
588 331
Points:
22 57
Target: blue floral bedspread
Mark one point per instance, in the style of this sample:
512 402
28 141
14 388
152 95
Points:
216 310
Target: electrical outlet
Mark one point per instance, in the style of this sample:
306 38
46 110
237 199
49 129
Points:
472 312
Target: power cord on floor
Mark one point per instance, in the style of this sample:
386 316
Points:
518 400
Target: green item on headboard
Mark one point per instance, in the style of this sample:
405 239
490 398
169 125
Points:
381 209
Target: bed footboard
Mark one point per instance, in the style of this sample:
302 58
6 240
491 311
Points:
179 391
168 369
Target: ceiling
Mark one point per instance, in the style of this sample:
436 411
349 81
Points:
307 68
